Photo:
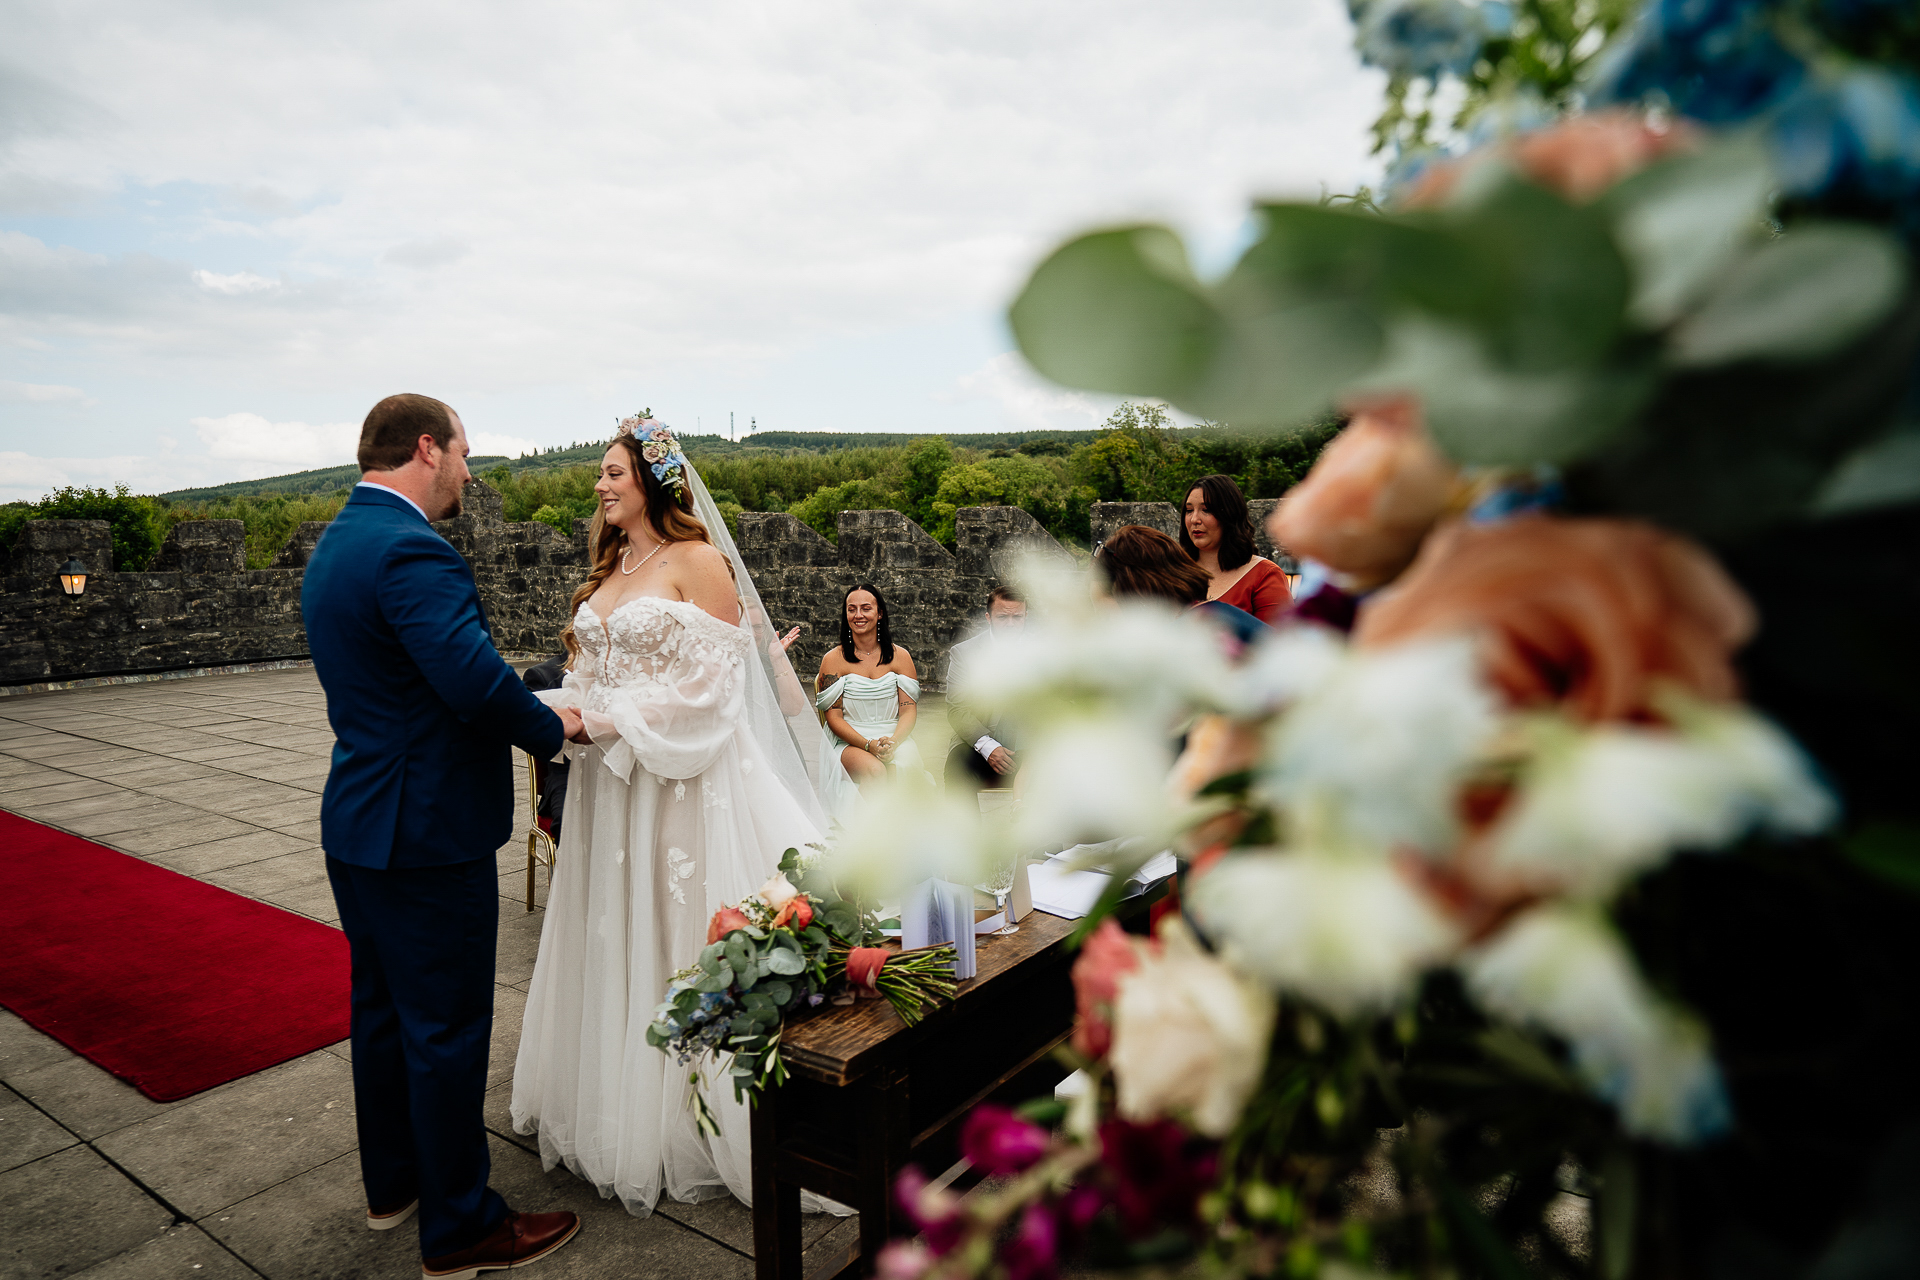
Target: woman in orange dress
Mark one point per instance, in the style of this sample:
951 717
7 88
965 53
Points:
1217 532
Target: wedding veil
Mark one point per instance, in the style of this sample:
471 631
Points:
769 677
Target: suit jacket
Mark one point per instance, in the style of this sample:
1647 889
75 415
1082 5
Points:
968 724
422 705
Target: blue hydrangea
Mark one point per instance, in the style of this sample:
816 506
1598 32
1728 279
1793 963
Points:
1427 38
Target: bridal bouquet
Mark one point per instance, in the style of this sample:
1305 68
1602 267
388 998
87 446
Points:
777 953
1539 921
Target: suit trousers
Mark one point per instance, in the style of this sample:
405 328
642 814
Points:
423 941
967 771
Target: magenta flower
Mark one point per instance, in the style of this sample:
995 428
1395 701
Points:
902 1260
1159 1173
1034 1251
935 1214
998 1142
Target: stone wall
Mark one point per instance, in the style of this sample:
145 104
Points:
200 606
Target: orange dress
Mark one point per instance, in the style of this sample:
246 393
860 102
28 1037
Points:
1261 591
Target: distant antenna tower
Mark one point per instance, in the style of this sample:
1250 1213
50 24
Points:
729 424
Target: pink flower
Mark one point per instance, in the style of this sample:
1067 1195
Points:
1034 1251
935 1213
997 1141
798 913
725 921
1107 956
902 1260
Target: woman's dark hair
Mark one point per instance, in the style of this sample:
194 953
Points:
1145 562
1228 505
846 632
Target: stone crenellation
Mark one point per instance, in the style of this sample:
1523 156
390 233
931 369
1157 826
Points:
199 606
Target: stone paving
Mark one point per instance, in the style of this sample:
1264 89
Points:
219 778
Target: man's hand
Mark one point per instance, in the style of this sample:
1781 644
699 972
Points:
570 724
1001 760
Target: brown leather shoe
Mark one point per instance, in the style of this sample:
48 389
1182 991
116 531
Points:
522 1238
388 1219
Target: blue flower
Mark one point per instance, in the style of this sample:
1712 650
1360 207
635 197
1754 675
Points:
659 471
1715 60
1427 37
1858 134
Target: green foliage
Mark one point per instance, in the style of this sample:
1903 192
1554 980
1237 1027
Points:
269 520
137 527
1533 331
927 462
820 509
1537 64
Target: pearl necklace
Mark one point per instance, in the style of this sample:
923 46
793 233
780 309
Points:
643 559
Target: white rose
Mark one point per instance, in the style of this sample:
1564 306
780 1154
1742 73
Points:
777 892
1562 967
1189 1036
1345 930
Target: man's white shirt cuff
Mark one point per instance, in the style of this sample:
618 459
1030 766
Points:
986 746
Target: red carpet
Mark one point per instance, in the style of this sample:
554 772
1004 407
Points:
173 985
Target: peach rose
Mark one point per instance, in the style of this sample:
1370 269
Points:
1372 495
1107 956
725 921
1587 614
798 912
1580 157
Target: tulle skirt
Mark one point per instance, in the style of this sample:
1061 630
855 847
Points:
642 867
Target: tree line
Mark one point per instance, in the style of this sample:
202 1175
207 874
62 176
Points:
1136 456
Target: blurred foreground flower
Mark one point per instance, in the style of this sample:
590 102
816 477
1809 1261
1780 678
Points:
1379 746
1347 931
1586 614
1190 1036
1094 779
1601 806
1371 495
1564 968
1580 157
1107 956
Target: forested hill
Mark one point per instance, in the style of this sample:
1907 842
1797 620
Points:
329 479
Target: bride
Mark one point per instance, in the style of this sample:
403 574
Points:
685 794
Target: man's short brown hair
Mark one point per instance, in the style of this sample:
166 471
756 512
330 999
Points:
395 425
1002 591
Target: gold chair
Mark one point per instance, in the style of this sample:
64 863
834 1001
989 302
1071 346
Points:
540 845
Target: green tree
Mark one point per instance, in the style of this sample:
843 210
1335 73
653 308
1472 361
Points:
926 463
138 527
821 509
1016 480
1137 458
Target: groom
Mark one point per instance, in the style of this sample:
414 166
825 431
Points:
419 797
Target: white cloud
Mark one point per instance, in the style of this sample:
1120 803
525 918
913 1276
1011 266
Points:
248 437
237 283
679 203
25 478
43 393
1024 400
488 444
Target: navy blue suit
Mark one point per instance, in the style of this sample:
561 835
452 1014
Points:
420 796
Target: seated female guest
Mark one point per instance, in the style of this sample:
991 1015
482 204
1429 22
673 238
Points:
867 687
1145 563
1217 532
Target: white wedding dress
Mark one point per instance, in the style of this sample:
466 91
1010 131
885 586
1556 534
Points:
871 705
672 813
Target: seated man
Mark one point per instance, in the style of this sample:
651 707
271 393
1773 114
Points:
981 757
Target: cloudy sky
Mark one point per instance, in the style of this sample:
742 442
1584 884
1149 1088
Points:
227 227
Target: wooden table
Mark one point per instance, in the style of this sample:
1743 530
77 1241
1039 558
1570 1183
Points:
867 1094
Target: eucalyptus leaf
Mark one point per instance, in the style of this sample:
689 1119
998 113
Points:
1481 413
1884 473
719 980
785 963
1680 222
739 953
781 993
1118 311
1801 297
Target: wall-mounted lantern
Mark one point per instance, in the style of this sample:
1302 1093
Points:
73 578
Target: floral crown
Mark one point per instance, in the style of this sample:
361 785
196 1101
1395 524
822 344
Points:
660 450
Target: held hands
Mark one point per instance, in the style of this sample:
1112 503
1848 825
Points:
571 725
882 748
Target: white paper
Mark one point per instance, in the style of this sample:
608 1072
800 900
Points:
1060 892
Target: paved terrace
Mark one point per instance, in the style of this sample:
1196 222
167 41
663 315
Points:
219 778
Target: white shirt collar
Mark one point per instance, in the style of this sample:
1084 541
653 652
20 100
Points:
375 484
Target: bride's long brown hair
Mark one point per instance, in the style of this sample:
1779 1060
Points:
670 515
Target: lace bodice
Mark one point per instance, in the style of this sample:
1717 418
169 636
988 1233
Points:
650 640
660 682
